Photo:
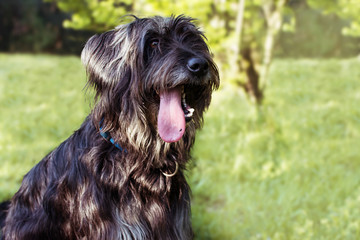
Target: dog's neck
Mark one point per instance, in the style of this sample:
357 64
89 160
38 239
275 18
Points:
108 137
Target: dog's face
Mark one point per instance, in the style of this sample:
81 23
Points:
154 74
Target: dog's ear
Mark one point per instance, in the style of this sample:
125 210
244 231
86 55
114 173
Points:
106 58
94 55
112 66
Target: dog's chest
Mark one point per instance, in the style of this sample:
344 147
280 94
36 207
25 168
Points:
126 231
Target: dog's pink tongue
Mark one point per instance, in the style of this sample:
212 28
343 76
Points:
171 119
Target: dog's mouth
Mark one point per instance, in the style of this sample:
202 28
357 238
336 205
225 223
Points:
188 111
173 114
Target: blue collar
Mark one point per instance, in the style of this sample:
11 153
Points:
107 136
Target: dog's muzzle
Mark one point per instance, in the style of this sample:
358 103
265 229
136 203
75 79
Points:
174 112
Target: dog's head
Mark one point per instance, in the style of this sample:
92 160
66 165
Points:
153 78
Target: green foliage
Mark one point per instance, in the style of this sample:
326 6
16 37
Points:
94 15
287 170
316 35
346 9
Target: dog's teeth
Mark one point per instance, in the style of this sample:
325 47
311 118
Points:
190 112
184 103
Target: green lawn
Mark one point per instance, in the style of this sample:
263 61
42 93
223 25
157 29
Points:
288 170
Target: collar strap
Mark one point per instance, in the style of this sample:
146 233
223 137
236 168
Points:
107 136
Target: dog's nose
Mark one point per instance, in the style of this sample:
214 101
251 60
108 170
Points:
198 66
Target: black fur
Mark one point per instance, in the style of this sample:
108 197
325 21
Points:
4 206
89 189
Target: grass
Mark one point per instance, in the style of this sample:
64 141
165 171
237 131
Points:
41 103
287 170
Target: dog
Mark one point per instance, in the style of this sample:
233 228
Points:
121 174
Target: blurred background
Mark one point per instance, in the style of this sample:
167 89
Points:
279 154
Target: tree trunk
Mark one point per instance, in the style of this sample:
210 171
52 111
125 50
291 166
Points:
256 83
244 60
273 15
238 33
251 86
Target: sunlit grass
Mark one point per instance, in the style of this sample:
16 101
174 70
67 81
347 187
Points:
42 101
287 170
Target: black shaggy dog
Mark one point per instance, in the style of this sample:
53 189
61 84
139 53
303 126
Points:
120 176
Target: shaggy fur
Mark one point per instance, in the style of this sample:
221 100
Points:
87 188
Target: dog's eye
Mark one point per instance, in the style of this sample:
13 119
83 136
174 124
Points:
154 43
